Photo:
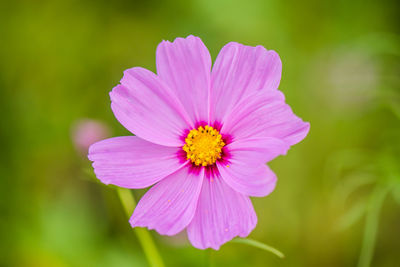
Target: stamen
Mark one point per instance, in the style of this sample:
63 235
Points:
203 146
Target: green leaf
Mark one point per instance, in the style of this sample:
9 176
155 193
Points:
352 216
259 245
396 193
351 183
371 225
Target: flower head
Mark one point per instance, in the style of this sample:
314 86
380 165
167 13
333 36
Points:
85 132
203 136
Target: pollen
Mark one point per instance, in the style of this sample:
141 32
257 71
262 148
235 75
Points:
203 146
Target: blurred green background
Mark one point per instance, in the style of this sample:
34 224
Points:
337 202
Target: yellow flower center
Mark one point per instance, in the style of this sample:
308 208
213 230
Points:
203 146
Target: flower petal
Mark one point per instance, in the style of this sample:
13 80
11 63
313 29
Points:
221 215
244 169
185 65
131 162
265 114
147 108
169 206
238 71
257 181
256 150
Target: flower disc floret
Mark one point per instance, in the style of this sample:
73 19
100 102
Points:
203 146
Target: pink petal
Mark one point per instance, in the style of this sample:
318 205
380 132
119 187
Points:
221 215
256 150
265 114
257 181
169 206
148 108
185 65
245 170
132 162
238 71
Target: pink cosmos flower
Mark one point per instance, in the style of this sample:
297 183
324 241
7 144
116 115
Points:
203 136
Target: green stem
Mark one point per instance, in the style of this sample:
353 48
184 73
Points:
371 225
260 245
210 258
150 250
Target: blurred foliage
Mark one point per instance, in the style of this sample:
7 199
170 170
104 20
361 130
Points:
59 60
